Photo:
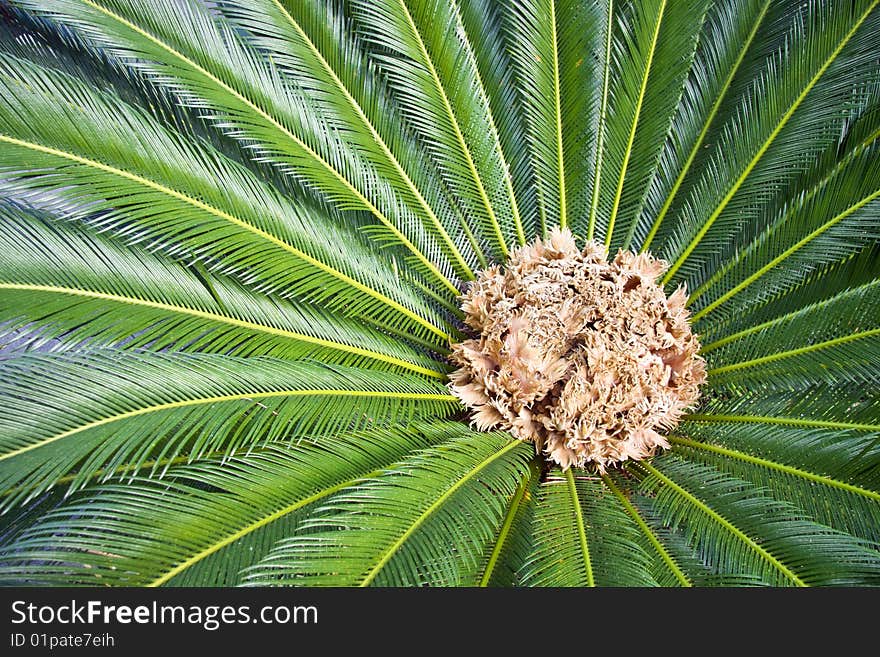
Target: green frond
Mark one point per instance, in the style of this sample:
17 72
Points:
434 79
511 545
126 174
820 286
654 48
482 21
810 450
203 525
290 33
26 36
843 506
444 504
185 48
50 44
686 555
128 407
59 280
738 529
561 554
666 573
844 419
730 50
605 17
829 220
584 537
791 115
837 340
550 44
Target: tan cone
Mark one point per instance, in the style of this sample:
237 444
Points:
586 358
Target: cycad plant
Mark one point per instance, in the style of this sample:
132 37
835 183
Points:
242 247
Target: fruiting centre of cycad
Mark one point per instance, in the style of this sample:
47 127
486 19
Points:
584 357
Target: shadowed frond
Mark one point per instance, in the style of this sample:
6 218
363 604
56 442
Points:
59 280
653 47
843 506
185 48
736 38
127 174
795 110
836 340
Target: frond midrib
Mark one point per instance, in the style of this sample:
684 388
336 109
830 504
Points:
579 524
648 532
236 221
789 353
223 319
792 421
249 396
779 467
635 124
262 522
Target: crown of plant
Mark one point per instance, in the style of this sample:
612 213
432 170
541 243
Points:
586 358
289 293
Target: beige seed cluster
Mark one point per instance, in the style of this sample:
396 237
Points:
586 358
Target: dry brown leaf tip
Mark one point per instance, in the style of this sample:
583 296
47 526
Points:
587 359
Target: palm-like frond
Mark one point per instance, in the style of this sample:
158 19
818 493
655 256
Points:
574 543
431 71
737 37
54 276
652 53
222 507
827 42
830 341
196 403
443 504
244 227
728 516
233 237
830 218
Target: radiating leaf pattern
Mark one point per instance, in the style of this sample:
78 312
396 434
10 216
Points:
233 235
